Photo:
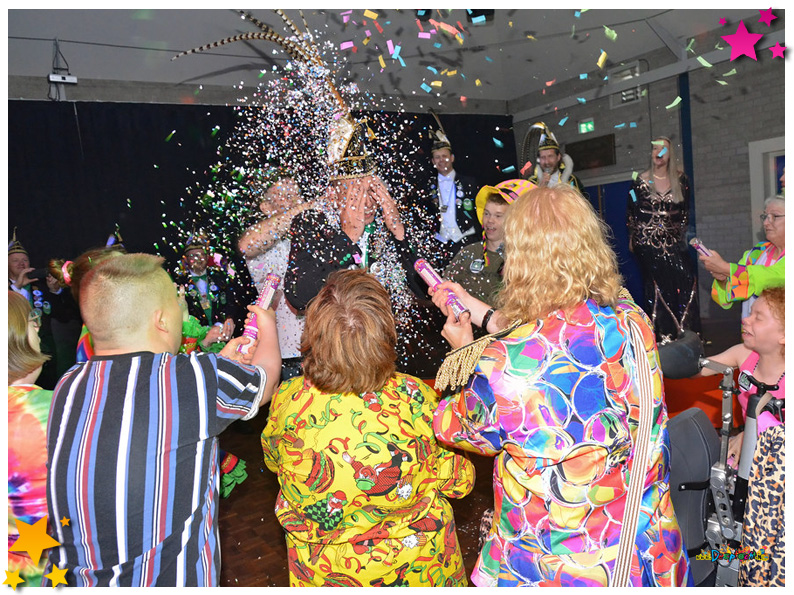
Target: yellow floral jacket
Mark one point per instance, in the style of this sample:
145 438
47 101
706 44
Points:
364 486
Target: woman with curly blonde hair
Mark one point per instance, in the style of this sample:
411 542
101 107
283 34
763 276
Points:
554 395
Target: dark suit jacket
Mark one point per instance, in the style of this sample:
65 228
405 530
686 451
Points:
317 249
466 192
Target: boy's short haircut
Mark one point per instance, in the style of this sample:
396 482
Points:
496 199
120 294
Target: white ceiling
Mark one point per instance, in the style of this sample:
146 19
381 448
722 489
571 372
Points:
137 45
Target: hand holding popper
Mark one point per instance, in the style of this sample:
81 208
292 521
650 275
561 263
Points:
433 279
263 301
698 245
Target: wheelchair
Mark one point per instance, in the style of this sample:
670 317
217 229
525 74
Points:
709 495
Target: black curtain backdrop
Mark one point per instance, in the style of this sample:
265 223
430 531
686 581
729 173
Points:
79 169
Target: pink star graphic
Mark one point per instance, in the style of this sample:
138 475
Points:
767 17
742 42
723 21
777 50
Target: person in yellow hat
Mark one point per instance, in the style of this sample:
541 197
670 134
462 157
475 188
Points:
478 267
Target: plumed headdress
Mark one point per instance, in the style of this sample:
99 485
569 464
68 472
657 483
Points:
439 137
348 156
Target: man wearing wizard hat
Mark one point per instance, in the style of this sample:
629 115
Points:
552 166
449 201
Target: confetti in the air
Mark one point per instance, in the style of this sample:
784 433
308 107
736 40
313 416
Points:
704 62
610 33
676 101
602 59
563 121
370 15
168 138
581 100
730 72
499 144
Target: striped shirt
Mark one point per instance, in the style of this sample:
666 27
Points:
133 464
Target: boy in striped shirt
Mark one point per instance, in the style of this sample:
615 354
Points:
132 435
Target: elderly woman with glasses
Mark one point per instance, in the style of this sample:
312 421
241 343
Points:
763 266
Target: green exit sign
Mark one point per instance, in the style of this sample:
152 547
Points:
586 126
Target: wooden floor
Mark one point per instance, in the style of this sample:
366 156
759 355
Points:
253 550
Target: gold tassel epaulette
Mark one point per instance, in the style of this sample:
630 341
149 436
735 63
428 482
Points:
459 363
624 294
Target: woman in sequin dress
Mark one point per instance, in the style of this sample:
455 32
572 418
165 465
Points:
657 218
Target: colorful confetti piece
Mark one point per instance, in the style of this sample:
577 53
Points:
581 100
168 138
382 63
346 45
602 59
689 47
370 15
721 82
563 121
499 144
426 88
676 101
551 82
610 33
633 196
583 76
508 169
433 70
704 62
662 152
730 72
621 125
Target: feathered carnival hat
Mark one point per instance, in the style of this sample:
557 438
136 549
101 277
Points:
14 247
538 138
348 156
439 137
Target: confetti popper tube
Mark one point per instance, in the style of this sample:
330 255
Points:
698 245
263 301
432 278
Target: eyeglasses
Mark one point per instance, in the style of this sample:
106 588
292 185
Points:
35 318
774 218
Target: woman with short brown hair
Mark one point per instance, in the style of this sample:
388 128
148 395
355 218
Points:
364 484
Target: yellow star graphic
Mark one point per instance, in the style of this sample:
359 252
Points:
33 539
57 576
12 579
65 522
